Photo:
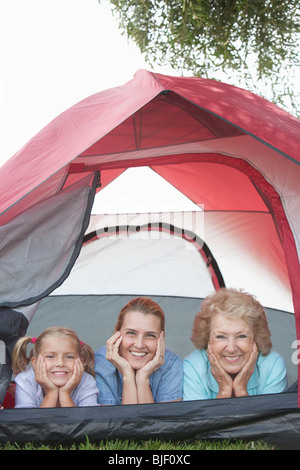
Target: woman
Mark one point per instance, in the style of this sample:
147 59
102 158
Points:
234 357
134 367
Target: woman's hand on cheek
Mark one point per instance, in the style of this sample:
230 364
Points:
241 380
113 356
221 376
158 359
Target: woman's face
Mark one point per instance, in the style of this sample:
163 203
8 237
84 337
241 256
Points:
231 341
59 353
140 333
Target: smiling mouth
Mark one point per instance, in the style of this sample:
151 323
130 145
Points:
138 354
59 373
231 358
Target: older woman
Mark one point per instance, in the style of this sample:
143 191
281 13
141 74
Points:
234 356
135 367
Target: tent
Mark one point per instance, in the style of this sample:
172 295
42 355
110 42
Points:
167 187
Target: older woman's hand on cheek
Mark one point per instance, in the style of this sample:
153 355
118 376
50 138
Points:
241 380
221 376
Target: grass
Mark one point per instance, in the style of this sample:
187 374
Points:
118 445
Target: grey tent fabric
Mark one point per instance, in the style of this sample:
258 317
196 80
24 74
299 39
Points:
39 247
101 311
13 325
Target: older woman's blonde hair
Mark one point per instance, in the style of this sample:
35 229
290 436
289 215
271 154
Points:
233 304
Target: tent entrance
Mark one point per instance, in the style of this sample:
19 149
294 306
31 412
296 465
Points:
148 259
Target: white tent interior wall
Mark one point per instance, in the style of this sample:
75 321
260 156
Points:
118 265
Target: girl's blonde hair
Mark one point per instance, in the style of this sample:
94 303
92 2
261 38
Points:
233 304
20 359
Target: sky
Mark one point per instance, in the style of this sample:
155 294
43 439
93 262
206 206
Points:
53 54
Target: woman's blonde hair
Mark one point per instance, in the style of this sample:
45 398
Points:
144 305
235 304
20 359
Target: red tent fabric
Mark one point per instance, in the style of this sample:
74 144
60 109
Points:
80 128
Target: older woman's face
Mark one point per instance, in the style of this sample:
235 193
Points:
231 341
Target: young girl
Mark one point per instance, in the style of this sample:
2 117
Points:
62 374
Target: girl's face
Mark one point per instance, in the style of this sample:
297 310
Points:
59 353
231 341
140 333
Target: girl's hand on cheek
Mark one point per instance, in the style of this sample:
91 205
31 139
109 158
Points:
49 389
41 375
75 378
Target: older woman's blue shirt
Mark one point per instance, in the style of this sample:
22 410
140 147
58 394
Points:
165 382
269 376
